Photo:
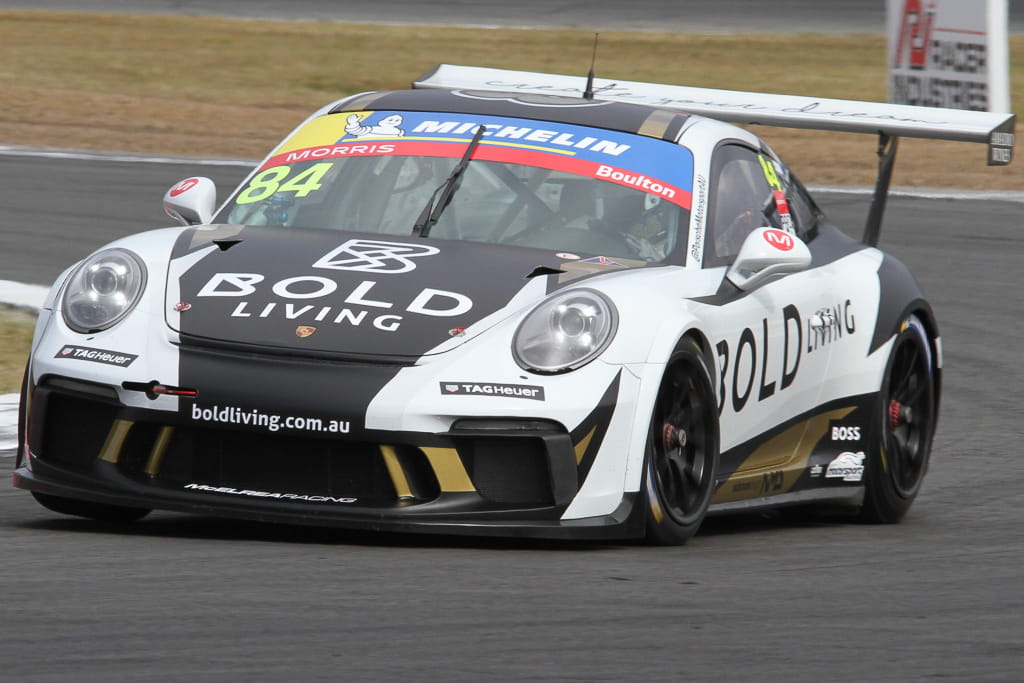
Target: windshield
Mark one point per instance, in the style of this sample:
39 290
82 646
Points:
530 183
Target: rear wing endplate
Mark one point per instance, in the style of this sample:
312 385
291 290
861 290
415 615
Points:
888 121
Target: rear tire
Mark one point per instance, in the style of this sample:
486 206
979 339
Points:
84 508
906 423
682 449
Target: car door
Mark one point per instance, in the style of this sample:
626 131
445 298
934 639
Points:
769 377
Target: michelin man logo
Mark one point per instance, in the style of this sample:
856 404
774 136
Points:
372 256
386 127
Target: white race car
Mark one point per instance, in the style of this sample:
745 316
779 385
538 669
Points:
500 303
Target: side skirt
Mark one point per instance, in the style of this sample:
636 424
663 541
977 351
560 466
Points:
841 495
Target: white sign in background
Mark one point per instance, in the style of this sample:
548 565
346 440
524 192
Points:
949 53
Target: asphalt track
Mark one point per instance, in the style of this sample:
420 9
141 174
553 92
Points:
749 599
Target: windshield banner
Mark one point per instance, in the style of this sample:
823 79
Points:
648 164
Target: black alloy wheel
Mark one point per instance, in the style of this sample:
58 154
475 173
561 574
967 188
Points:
682 449
907 404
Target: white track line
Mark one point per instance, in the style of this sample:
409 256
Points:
21 295
131 158
927 193
8 424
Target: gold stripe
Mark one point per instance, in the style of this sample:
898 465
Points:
775 451
789 452
398 478
810 432
111 450
657 511
652 497
656 124
159 450
581 447
451 475
816 428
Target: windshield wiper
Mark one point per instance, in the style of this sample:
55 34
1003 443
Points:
432 211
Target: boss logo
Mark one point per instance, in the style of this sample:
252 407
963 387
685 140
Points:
846 433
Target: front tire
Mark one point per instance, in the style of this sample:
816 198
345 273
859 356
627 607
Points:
84 508
906 422
682 449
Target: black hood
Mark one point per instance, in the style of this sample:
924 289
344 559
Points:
333 292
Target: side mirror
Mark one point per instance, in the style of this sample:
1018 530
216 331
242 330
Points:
191 201
766 252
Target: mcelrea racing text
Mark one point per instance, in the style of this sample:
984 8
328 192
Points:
270 421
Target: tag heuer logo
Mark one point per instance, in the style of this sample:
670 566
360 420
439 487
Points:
529 391
303 331
373 256
88 353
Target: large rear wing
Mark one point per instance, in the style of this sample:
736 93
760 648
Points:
888 121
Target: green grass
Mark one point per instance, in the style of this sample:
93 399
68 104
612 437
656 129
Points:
15 339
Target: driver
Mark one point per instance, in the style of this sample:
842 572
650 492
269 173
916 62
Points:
578 204
648 238
647 233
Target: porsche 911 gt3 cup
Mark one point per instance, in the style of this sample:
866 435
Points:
489 305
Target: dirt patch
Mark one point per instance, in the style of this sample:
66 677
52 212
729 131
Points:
232 88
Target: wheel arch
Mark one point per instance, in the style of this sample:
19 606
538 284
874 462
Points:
670 341
672 514
900 296
666 342
920 309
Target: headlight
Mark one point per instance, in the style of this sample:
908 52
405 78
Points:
565 332
104 289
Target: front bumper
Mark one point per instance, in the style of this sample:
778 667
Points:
508 477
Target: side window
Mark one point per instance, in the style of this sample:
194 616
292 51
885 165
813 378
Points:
793 207
805 211
742 200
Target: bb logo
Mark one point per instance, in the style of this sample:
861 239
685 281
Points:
372 256
779 239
